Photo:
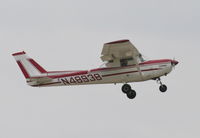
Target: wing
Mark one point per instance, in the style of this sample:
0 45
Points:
120 53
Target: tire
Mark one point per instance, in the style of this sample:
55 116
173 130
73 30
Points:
163 88
131 94
126 88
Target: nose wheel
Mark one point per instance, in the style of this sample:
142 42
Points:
126 89
163 87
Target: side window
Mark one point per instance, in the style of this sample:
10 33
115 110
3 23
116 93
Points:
123 62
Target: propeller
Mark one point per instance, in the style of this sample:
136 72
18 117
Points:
174 63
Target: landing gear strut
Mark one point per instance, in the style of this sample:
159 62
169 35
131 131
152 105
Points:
163 87
131 94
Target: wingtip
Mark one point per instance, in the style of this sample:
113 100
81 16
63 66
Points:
118 41
19 53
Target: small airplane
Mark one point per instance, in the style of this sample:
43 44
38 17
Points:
124 64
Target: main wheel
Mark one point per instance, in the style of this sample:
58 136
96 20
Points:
163 88
131 94
126 88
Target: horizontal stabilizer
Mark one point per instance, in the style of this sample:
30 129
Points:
40 80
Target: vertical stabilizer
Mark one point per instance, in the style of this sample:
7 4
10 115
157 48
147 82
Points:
29 67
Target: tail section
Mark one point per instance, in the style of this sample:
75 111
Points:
29 67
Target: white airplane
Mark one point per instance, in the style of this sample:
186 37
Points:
124 64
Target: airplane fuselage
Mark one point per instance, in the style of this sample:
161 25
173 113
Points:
133 73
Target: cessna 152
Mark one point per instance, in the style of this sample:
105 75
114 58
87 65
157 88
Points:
124 64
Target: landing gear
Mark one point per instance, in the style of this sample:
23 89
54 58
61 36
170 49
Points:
126 88
131 94
163 87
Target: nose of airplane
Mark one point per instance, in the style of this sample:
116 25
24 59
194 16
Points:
174 62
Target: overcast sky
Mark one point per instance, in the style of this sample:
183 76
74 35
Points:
69 34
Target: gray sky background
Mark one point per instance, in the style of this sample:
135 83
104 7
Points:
69 34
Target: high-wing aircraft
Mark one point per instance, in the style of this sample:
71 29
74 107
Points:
124 64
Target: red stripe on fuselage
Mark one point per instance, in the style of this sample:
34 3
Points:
35 64
155 61
143 63
67 71
68 75
108 75
111 68
26 75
